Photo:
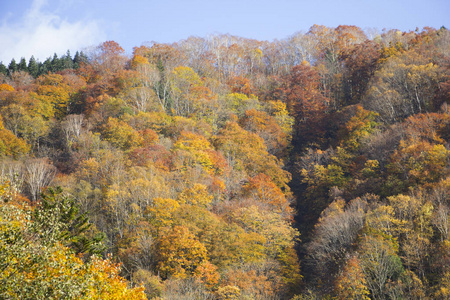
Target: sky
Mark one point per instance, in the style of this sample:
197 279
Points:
44 27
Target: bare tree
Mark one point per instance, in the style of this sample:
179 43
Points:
337 230
12 171
72 126
140 98
39 173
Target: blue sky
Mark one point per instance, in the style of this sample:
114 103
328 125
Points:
43 27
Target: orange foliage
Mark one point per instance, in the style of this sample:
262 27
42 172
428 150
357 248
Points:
262 188
6 87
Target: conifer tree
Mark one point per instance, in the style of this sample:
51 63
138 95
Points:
3 69
33 67
12 67
76 60
66 61
22 65
45 67
56 64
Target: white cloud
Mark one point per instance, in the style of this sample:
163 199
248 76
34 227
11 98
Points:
42 33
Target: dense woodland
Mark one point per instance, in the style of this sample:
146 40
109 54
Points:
313 167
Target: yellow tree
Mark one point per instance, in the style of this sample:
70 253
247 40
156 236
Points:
179 253
246 151
10 145
351 283
406 84
266 127
35 263
195 149
122 135
187 88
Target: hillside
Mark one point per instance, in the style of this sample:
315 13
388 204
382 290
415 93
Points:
313 167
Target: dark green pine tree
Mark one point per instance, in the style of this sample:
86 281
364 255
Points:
45 67
3 69
33 67
58 219
40 67
67 62
22 65
12 67
78 59
56 64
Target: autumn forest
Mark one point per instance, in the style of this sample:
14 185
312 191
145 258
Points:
312 167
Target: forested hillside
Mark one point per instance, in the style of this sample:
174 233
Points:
313 167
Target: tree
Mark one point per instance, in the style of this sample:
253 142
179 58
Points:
266 127
6 87
263 190
79 59
179 253
10 145
334 234
240 103
417 163
33 67
22 66
241 85
45 67
58 218
67 62
109 58
186 90
56 63
197 195
72 126
142 98
351 283
305 101
330 44
195 149
406 84
246 151
21 79
361 62
3 69
360 126
279 111
12 67
76 60
36 265
54 94
39 173
380 264
122 135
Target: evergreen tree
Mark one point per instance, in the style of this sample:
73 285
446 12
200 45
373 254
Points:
78 59
45 67
67 62
40 67
56 64
22 65
58 218
84 58
3 69
12 67
33 67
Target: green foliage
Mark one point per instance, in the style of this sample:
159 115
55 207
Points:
57 219
35 264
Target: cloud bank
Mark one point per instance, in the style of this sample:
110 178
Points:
42 33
